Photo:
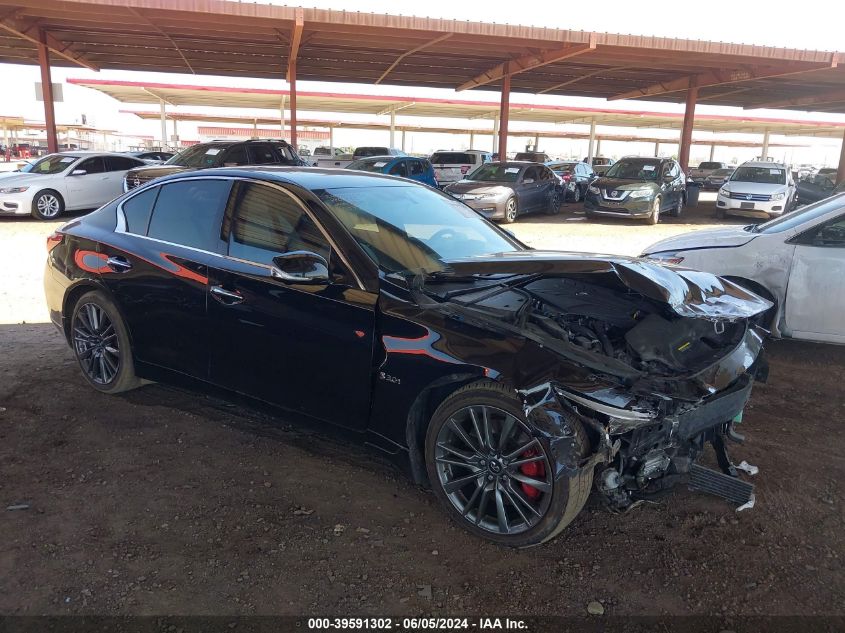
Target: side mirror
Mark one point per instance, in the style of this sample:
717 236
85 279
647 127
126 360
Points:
527 181
78 172
300 267
668 178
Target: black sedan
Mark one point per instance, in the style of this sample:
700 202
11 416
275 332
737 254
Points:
504 378
817 187
576 178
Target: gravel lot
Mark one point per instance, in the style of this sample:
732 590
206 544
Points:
167 502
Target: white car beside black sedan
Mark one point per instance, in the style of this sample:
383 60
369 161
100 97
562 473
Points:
64 182
796 260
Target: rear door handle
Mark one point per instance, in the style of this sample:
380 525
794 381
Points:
226 297
119 264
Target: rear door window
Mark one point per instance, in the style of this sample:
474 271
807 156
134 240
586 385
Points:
122 163
94 165
416 167
189 213
137 211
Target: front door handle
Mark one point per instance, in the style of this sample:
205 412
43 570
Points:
119 264
226 297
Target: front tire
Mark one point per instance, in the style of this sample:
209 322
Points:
511 210
554 204
494 473
47 205
654 216
576 194
100 342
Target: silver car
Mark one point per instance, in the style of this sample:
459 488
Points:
505 190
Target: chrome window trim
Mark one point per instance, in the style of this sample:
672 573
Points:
121 222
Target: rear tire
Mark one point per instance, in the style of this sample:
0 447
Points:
47 205
480 481
100 342
576 195
676 210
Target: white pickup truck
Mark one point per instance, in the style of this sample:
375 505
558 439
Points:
360 152
700 173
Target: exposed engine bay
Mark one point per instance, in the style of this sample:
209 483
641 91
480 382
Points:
681 386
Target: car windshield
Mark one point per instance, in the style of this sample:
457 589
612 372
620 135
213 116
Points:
198 156
801 216
635 169
709 165
495 172
722 172
376 165
53 164
410 229
762 175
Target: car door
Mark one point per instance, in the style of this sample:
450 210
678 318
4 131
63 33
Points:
307 348
262 154
548 185
88 190
157 269
667 186
815 293
528 189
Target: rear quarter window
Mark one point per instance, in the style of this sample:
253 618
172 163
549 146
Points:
190 213
138 209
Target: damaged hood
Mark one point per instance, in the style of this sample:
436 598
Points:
688 293
724 237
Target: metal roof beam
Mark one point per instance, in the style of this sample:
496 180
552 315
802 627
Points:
295 41
29 32
529 62
817 99
582 77
416 49
722 77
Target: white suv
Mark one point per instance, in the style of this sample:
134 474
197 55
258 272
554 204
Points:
452 165
757 189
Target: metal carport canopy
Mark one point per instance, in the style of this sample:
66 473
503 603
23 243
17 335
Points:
262 98
245 120
257 40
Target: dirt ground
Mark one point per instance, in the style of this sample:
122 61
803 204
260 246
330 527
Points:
167 502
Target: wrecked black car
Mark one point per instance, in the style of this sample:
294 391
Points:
513 382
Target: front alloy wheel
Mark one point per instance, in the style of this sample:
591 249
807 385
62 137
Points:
495 474
510 210
47 205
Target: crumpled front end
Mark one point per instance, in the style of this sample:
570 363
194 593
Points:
654 369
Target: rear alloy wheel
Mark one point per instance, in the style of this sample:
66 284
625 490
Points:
510 210
47 205
554 204
576 194
100 343
494 474
654 216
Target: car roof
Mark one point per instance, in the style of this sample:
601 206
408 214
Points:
311 178
762 163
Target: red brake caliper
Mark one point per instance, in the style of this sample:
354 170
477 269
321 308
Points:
537 470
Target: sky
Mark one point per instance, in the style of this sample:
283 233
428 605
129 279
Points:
770 22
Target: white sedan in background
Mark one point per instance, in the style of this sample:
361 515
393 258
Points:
65 181
796 260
